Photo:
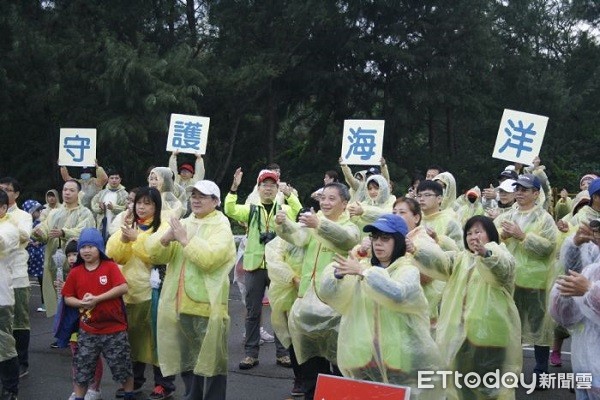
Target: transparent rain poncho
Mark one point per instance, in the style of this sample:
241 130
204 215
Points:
196 284
581 314
384 329
313 324
534 270
479 326
284 262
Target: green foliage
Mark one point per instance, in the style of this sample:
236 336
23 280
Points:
278 78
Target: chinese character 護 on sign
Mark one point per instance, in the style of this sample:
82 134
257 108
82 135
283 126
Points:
188 133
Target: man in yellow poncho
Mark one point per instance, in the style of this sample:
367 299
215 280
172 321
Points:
313 324
62 224
530 234
193 322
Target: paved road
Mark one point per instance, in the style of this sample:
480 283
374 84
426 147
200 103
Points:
50 370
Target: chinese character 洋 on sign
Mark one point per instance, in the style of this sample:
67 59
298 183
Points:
362 142
188 133
77 147
520 136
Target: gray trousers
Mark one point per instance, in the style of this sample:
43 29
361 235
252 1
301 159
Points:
256 283
198 387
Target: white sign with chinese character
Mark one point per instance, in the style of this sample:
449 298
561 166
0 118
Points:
362 141
77 147
520 136
188 133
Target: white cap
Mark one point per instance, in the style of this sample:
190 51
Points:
206 187
508 185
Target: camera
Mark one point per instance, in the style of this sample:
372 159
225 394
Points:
595 225
266 237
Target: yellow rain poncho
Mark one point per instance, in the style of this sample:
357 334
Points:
374 208
313 324
172 205
479 328
384 329
284 263
449 196
196 284
447 228
466 209
534 270
136 269
72 221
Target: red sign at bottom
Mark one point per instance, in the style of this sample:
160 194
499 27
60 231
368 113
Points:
337 388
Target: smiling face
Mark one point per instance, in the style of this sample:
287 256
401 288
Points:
412 220
155 181
267 190
202 204
526 197
331 203
373 189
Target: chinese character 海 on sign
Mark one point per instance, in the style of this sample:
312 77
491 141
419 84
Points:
362 141
77 147
188 133
520 136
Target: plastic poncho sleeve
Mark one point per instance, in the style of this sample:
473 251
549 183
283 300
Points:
562 208
43 230
294 206
96 204
385 172
392 293
293 233
279 270
499 268
237 212
342 237
116 249
207 254
430 258
544 243
199 170
173 164
9 238
337 293
350 179
563 309
371 213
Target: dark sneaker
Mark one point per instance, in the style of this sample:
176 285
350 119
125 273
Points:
120 393
160 393
248 362
284 361
54 345
298 389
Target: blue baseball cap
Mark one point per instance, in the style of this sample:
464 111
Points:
528 181
594 187
388 223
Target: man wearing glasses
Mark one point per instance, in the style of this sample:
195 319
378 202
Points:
442 225
530 234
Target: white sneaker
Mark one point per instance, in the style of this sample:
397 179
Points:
264 335
72 396
93 395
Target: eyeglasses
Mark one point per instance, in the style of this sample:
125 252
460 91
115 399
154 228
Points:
384 237
269 185
421 195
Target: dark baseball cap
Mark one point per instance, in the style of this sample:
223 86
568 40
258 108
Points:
528 181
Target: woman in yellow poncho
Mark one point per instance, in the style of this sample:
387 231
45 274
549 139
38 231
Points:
126 247
377 200
479 329
384 330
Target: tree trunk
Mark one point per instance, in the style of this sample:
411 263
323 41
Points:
431 135
232 138
190 12
271 122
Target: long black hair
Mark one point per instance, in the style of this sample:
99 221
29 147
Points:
153 195
399 247
488 227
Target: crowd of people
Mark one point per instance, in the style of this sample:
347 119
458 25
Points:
370 286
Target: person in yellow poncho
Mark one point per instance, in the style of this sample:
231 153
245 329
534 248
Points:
61 225
284 265
530 235
384 330
377 201
313 324
126 247
443 222
479 328
193 322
